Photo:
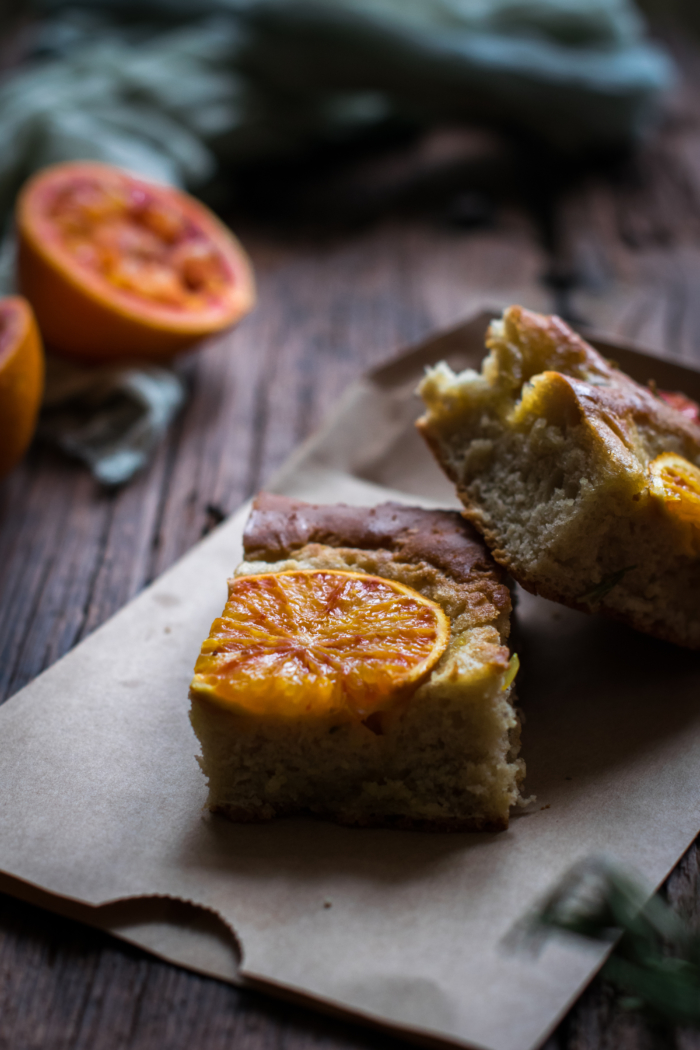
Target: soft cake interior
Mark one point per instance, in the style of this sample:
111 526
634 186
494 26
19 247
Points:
549 446
445 758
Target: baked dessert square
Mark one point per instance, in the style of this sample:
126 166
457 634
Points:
360 672
584 484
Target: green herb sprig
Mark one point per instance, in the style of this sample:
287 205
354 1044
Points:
602 589
656 960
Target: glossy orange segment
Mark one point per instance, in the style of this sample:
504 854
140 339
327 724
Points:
118 267
676 481
313 643
21 379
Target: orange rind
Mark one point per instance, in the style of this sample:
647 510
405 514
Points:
676 481
316 643
117 267
21 379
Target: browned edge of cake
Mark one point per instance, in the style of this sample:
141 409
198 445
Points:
623 400
280 525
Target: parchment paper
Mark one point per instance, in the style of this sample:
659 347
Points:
102 798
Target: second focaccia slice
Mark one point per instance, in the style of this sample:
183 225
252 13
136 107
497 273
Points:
584 484
286 726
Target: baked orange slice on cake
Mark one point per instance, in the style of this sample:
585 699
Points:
119 267
21 379
312 643
677 482
360 671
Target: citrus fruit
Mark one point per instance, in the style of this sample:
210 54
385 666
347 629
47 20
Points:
319 642
688 408
116 267
21 379
677 482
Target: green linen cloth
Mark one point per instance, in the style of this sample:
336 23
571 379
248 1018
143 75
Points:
579 74
173 88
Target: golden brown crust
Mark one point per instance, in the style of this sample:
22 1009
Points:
278 526
433 442
658 630
380 820
622 405
603 392
444 558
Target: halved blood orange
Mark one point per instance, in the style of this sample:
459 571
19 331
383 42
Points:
676 481
117 267
21 379
683 404
312 643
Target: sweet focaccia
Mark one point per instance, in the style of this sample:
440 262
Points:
584 484
360 671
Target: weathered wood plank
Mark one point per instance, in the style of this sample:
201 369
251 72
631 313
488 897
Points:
87 990
72 554
630 238
631 241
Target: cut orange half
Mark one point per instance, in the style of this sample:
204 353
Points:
21 379
683 404
313 643
676 481
117 267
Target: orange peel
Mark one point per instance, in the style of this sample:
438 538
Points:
118 267
21 379
676 481
317 643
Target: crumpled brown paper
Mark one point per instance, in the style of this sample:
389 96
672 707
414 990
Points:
102 798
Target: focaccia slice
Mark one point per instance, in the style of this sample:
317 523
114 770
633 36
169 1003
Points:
584 484
440 754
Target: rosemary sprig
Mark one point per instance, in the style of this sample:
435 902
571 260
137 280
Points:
656 960
602 589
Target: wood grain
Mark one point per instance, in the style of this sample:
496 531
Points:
71 554
626 239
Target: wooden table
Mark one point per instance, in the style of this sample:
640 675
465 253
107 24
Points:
481 221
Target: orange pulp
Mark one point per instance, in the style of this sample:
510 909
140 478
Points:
310 642
21 379
677 481
137 240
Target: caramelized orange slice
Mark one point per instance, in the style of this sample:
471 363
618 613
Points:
677 481
311 643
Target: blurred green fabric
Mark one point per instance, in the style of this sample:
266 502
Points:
172 88
177 90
